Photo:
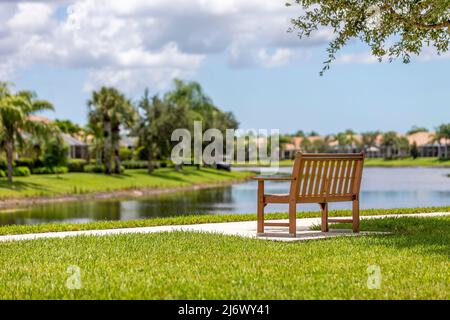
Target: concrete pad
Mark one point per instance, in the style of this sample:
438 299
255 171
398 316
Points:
244 229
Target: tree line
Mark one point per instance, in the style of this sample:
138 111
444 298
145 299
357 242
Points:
111 115
391 141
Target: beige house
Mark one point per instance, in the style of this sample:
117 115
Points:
77 148
427 145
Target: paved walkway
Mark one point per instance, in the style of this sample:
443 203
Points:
244 229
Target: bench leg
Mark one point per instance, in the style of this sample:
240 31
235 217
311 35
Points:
292 218
324 226
260 227
355 214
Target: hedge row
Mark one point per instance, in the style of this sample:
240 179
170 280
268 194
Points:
26 166
17 172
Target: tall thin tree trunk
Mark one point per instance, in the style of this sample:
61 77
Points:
9 158
116 143
446 148
439 151
150 159
107 146
389 152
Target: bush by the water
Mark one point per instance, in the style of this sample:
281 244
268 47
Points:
125 154
25 162
21 172
135 164
94 168
48 170
99 168
76 165
56 154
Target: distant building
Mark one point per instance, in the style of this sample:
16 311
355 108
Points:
77 149
426 144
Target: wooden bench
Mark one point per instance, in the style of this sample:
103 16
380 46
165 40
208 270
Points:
316 178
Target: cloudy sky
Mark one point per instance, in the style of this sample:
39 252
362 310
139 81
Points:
238 50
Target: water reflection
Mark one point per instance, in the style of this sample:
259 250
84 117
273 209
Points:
382 188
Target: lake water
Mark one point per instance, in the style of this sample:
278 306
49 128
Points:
381 188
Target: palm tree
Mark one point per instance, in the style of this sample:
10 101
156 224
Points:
124 115
15 112
94 138
369 139
389 141
306 145
109 109
442 133
342 140
100 113
144 127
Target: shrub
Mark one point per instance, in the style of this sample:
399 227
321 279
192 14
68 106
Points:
48 170
38 163
4 164
135 164
56 154
42 170
141 154
163 164
25 162
76 165
2 173
124 154
94 168
60 170
21 172
414 151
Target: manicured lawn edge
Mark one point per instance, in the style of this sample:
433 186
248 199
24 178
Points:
133 184
399 163
196 219
411 263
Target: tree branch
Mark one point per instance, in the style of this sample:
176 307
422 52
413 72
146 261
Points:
435 26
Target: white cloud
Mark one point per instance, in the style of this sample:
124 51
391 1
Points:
427 54
139 42
31 17
279 58
359 58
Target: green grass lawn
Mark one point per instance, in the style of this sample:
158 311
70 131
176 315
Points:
408 162
414 264
196 219
78 183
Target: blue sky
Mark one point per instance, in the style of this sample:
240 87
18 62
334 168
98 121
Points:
268 78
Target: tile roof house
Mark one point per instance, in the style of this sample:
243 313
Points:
427 145
77 148
424 140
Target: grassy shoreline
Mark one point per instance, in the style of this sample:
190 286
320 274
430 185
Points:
195 219
398 163
84 184
413 262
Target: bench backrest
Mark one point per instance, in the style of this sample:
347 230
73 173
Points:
327 174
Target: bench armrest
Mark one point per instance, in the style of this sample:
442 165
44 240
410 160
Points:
268 178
